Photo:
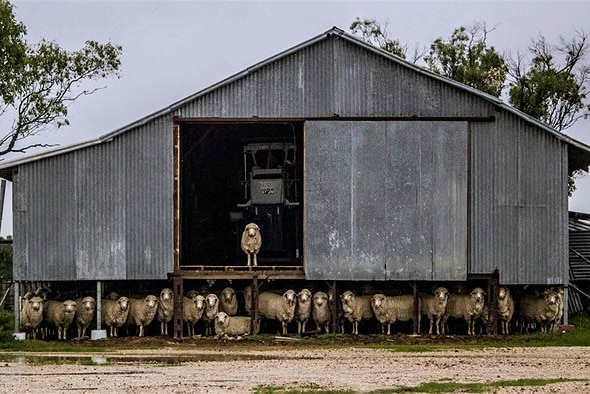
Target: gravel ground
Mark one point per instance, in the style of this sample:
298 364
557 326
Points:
241 370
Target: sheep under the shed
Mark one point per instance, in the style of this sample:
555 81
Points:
60 315
228 302
85 309
388 310
142 312
165 309
505 309
211 309
31 314
232 326
114 314
320 311
303 309
356 308
278 307
434 306
541 309
192 312
466 307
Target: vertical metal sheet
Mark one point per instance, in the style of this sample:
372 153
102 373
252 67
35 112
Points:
385 200
519 200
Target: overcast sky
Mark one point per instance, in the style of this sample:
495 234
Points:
172 49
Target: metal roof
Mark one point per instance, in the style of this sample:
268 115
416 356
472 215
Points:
578 152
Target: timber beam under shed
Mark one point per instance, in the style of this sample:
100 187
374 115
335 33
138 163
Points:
239 272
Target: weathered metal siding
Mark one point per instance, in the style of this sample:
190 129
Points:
519 202
100 213
385 200
335 77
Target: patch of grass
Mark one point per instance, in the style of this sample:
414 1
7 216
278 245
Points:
450 387
311 389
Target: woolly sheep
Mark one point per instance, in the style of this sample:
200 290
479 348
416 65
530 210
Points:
434 306
211 309
466 307
142 312
303 309
192 311
232 326
165 309
85 308
320 311
540 309
505 309
59 314
560 292
251 242
278 307
228 302
355 309
388 310
114 314
31 315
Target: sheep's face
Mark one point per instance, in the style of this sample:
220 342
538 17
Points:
252 229
151 302
123 303
441 294
290 297
551 299
347 297
320 299
166 295
69 307
36 303
304 296
377 300
199 302
88 304
221 318
212 300
478 295
228 294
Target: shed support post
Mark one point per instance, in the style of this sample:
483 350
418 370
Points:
416 319
493 293
17 306
177 284
255 315
566 290
98 305
333 302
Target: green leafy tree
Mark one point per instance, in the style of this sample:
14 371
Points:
375 33
467 58
39 81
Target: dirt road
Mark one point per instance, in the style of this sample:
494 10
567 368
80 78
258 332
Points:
170 370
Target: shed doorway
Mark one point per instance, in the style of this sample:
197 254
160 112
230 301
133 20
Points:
230 174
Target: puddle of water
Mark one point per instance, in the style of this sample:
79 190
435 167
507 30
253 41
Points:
139 359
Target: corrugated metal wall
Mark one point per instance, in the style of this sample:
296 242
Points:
99 213
519 203
105 212
385 200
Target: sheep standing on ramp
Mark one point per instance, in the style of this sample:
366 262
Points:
467 307
434 306
85 308
165 309
60 315
251 242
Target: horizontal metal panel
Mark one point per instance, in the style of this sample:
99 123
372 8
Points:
385 200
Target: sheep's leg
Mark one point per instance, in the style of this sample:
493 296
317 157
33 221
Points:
255 261
304 323
327 327
388 328
432 324
141 330
284 323
249 259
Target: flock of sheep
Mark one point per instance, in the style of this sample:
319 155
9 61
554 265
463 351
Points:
43 318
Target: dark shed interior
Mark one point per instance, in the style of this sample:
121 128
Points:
216 164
